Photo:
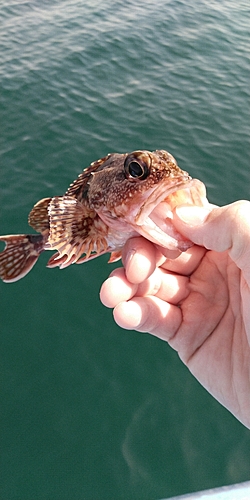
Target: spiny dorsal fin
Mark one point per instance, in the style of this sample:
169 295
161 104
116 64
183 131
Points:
79 187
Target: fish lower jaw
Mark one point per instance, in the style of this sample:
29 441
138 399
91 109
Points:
158 227
157 224
164 235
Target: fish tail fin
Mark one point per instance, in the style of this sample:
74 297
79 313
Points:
19 255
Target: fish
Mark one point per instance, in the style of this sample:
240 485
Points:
117 197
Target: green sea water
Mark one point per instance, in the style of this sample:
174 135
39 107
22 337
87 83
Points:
88 410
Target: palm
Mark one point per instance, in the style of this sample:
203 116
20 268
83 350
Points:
197 302
200 308
211 338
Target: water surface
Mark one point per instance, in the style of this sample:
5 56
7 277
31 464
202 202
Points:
89 410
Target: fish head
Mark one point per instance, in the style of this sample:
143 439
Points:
136 193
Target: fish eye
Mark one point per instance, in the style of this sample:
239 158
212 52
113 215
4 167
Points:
136 168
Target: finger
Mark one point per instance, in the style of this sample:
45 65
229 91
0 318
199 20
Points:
166 286
219 229
165 252
139 259
116 288
149 314
187 262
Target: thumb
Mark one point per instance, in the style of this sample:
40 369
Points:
218 228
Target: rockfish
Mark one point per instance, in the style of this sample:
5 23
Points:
115 198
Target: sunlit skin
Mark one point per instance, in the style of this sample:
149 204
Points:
197 301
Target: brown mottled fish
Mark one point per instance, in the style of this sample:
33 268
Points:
115 198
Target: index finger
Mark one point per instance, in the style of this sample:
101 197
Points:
140 258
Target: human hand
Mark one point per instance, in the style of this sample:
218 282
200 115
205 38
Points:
198 302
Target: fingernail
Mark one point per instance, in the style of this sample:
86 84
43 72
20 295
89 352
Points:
129 256
192 215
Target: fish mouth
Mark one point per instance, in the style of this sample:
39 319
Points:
154 218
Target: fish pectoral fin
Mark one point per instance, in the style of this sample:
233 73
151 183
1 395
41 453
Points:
62 261
20 255
114 256
57 260
70 224
39 216
68 219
